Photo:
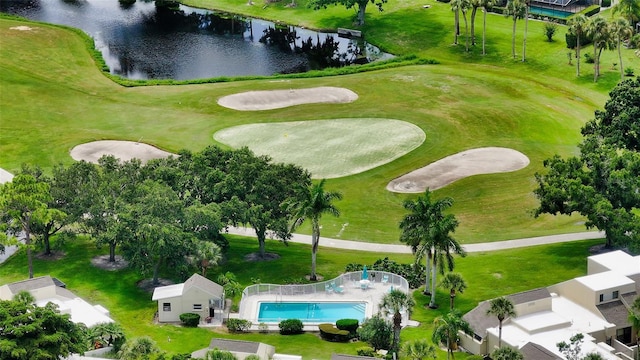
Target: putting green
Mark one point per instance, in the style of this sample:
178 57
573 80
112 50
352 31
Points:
328 148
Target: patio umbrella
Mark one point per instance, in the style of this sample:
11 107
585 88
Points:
365 274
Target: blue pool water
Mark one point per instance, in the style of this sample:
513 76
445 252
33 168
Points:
550 12
319 312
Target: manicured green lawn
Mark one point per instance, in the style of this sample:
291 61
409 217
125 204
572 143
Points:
488 275
54 98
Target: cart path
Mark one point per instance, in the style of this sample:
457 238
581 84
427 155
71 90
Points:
404 249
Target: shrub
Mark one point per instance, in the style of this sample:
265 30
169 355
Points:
330 333
263 328
376 332
591 10
190 319
253 357
412 272
606 3
238 325
628 71
365 351
550 30
290 327
588 58
218 354
351 325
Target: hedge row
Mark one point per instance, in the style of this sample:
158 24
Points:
330 333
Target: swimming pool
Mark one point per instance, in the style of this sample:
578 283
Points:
550 12
311 312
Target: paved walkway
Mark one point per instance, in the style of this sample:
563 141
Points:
403 249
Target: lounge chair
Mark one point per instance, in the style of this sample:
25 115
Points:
385 279
337 289
328 288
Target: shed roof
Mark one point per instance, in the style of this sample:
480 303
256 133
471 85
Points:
242 346
31 284
195 281
350 357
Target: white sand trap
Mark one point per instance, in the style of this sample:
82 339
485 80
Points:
123 150
276 99
445 171
5 176
21 28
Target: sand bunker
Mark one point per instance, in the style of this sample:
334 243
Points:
21 28
123 150
5 176
276 99
445 171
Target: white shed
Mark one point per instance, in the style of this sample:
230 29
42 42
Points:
197 295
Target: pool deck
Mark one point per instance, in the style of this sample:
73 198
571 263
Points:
352 292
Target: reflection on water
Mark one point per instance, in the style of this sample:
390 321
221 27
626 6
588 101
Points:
162 39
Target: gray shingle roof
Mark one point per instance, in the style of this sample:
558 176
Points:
350 357
533 351
479 320
31 284
203 283
615 312
629 298
242 346
530 295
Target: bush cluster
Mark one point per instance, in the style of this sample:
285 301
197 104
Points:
330 333
190 319
351 325
238 325
290 327
413 273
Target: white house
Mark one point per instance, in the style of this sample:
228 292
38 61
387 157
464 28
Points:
197 295
46 289
595 305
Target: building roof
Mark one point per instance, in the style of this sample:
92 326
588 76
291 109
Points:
350 357
195 281
604 280
615 312
629 298
533 351
479 320
31 284
531 295
250 347
619 261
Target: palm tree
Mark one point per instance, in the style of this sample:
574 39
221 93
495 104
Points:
464 6
315 202
578 27
486 5
395 302
24 297
506 353
419 350
621 31
600 32
443 247
446 331
417 228
634 319
455 7
526 24
455 283
502 308
515 9
139 348
207 254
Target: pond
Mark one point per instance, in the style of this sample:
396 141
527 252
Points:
144 40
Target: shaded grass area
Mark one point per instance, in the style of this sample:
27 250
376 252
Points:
488 274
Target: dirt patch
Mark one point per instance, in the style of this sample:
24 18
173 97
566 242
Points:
277 99
148 285
256 257
123 150
102 262
55 255
445 171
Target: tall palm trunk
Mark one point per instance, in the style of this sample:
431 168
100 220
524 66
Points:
578 54
500 333
397 326
620 59
513 39
456 26
315 240
524 41
427 280
473 25
596 62
484 29
434 275
27 242
466 31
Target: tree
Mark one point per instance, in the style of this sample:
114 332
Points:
461 6
377 332
396 302
419 350
444 245
601 182
24 203
501 308
30 332
141 348
600 31
578 27
107 334
622 31
359 5
229 282
446 328
24 297
217 354
629 9
550 29
313 203
506 353
486 5
516 9
634 318
454 282
206 255
571 350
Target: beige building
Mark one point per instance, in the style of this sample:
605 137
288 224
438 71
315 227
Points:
239 348
595 305
197 295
